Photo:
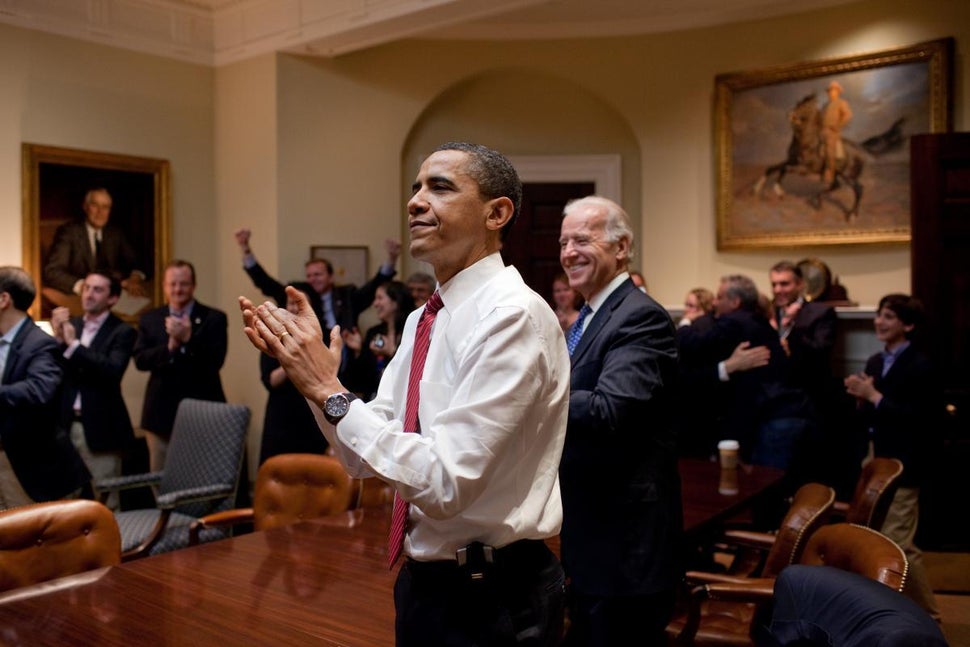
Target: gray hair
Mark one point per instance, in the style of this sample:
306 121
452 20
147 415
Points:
741 287
617 221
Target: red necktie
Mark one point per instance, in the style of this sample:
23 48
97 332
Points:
422 339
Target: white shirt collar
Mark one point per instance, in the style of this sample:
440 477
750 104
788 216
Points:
600 297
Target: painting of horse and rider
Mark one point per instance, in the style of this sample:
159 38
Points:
821 155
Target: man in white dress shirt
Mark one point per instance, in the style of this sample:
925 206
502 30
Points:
481 474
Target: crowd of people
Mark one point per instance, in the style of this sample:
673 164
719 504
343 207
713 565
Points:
499 418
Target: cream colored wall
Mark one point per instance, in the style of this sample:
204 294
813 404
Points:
246 196
63 92
347 119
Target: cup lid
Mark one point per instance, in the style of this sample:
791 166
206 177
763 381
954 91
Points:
728 444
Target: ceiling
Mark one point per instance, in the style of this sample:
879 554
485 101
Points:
217 32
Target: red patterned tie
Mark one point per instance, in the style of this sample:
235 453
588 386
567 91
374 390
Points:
422 339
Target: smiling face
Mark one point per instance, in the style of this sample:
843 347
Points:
319 277
452 226
179 286
587 255
890 329
786 287
384 306
96 294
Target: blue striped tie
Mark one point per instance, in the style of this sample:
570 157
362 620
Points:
576 330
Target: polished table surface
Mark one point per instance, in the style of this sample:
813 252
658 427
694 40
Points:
315 583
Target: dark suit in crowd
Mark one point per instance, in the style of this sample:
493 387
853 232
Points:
192 371
289 426
95 372
40 452
824 455
348 300
761 408
622 520
71 257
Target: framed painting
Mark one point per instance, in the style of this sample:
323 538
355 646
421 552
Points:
62 188
349 263
817 153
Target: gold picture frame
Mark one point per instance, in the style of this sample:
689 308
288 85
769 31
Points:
771 170
55 182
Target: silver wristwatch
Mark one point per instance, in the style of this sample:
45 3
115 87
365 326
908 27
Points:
337 406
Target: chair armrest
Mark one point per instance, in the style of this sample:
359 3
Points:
750 539
193 495
219 520
699 578
755 590
116 483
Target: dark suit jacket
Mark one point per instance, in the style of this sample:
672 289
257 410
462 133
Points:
622 520
348 300
905 423
190 372
96 372
70 257
749 398
43 458
811 341
289 426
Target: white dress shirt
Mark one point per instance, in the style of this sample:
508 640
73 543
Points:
493 410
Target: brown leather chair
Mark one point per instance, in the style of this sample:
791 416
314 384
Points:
845 546
374 493
808 511
45 541
290 488
874 492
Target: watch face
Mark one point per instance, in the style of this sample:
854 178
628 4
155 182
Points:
337 405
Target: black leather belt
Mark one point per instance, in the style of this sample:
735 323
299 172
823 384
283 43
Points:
476 560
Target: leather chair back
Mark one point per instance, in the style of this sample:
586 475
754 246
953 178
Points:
295 487
874 492
808 511
45 541
860 550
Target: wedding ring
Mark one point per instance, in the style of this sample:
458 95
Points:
283 334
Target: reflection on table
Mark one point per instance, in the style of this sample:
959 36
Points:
316 582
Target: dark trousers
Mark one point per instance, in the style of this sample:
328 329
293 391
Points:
597 621
520 600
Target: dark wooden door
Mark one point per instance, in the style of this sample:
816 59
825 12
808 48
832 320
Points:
941 279
533 244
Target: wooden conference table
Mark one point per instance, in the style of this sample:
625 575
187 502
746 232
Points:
311 583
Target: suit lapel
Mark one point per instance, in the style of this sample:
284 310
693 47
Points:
13 354
601 317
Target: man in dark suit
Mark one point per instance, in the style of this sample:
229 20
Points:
95 351
81 247
620 487
759 405
183 344
807 330
37 460
333 304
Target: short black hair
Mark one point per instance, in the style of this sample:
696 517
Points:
909 310
495 175
787 266
18 284
114 288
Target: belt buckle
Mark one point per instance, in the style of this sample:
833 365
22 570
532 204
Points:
475 558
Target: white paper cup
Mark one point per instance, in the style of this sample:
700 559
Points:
728 452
